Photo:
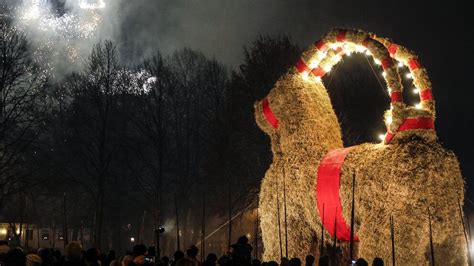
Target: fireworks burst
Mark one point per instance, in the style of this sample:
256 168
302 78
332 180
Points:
92 4
56 36
70 26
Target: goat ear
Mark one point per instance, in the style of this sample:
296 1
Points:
265 118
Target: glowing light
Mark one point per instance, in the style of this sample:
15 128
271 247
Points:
368 52
416 91
384 74
148 83
321 55
18 231
3 231
333 46
400 64
360 48
305 76
248 235
33 12
382 137
389 120
348 53
409 76
337 58
327 69
92 4
132 239
418 106
318 79
377 62
313 64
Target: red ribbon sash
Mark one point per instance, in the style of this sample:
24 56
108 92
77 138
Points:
269 115
327 188
412 124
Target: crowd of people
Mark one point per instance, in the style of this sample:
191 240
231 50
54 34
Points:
240 254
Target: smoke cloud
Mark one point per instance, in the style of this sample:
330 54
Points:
61 32
220 28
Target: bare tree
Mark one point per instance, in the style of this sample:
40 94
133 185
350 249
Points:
95 136
150 121
22 110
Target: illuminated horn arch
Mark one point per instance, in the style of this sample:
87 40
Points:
319 59
421 81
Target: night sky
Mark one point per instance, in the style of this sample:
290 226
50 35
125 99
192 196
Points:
436 30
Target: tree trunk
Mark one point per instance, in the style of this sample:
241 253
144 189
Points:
65 234
178 244
99 213
230 215
203 228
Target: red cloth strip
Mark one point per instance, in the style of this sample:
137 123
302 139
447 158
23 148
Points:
318 72
327 189
301 66
417 123
321 45
426 95
392 49
269 115
341 36
412 124
388 137
413 64
386 63
396 96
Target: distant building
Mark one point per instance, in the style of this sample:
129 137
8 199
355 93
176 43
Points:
30 236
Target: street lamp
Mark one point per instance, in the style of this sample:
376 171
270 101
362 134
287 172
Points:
132 239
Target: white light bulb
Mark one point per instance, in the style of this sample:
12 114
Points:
360 48
348 53
313 64
368 52
416 91
382 137
389 120
327 69
333 46
305 75
377 62
409 76
318 79
418 106
400 64
384 74
337 58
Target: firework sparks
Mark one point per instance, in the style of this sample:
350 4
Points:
92 4
59 35
68 26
